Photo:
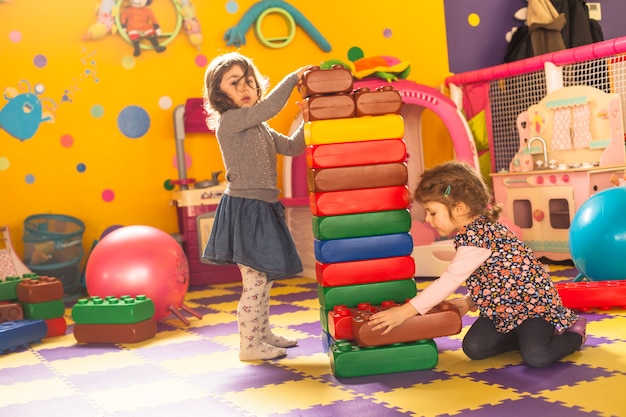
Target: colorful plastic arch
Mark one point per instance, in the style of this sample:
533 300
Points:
236 35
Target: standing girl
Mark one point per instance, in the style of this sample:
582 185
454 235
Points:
519 306
249 228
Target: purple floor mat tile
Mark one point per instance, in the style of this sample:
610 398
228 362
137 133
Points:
285 308
176 350
25 373
527 406
239 379
357 407
368 385
129 376
533 380
77 351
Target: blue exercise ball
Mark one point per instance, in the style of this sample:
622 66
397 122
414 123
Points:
597 236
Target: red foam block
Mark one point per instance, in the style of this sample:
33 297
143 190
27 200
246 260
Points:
333 155
364 271
359 201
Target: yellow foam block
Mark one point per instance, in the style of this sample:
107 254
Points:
355 129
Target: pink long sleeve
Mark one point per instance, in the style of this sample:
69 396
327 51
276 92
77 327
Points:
466 261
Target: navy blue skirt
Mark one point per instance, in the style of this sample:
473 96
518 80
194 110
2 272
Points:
253 233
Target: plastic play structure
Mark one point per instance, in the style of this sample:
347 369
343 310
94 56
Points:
10 264
196 201
430 254
555 132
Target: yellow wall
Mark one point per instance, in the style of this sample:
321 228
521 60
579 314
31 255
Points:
100 78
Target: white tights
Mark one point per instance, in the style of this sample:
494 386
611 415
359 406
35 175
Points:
256 340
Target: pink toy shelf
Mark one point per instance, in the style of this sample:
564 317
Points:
196 202
555 130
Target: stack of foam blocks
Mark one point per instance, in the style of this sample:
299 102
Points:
114 320
31 309
359 199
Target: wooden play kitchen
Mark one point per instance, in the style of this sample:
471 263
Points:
571 147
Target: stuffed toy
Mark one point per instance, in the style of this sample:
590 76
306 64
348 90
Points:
139 22
190 22
105 22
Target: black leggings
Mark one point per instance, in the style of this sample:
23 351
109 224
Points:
534 338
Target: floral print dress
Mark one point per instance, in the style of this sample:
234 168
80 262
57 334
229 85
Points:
512 285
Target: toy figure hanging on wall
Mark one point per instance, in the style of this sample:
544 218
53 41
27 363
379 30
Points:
139 22
112 17
105 21
190 22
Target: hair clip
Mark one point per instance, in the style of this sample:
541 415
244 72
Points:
447 192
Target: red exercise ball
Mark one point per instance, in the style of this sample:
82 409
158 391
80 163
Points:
136 260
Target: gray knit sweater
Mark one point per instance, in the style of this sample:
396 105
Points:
249 146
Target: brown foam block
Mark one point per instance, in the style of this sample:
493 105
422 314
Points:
384 100
357 177
442 320
323 107
39 290
326 81
11 312
115 333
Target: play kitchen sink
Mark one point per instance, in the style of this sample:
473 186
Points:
571 147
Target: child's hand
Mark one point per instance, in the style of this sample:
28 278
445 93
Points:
464 304
391 318
301 72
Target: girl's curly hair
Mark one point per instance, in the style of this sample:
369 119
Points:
454 182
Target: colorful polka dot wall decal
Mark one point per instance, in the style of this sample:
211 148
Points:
473 19
4 163
40 61
232 7
355 53
128 62
168 185
387 33
201 61
108 196
81 167
30 179
67 141
188 161
133 122
165 103
15 36
97 111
